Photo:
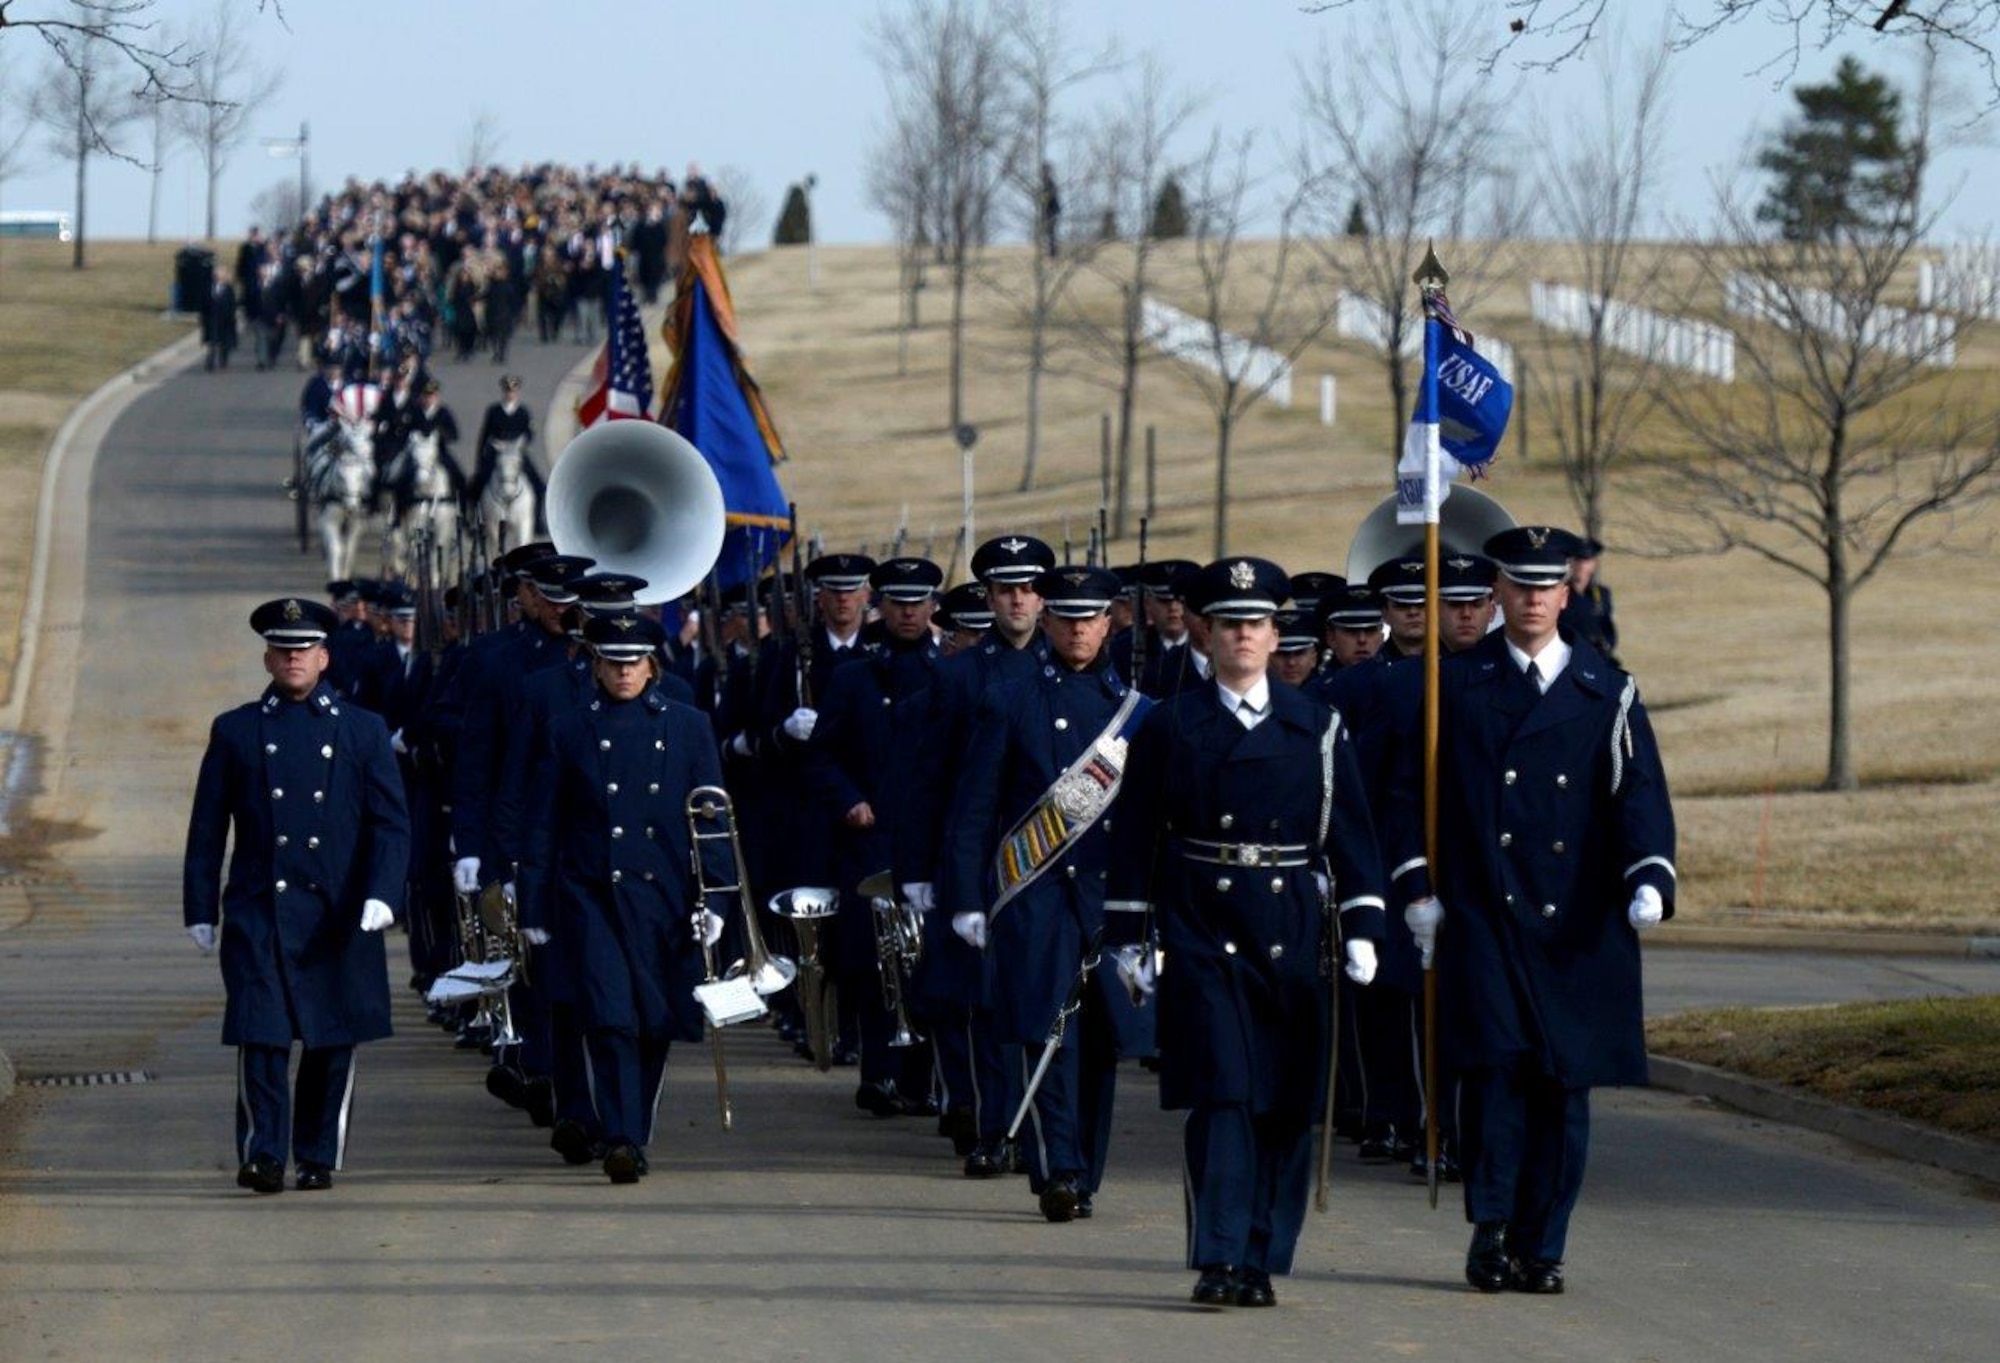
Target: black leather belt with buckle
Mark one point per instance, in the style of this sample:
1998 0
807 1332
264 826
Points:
1245 853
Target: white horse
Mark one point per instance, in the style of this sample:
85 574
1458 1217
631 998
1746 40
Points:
340 479
430 508
508 504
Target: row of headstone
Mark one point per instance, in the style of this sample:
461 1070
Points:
1656 337
1928 337
1190 340
1966 281
1363 319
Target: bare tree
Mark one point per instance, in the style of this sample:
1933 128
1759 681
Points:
1405 126
16 123
130 46
481 141
277 207
1855 431
900 186
1130 160
945 66
1599 176
163 137
1281 297
745 206
82 104
1043 67
225 85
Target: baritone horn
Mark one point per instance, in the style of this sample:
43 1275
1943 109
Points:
638 499
899 950
808 909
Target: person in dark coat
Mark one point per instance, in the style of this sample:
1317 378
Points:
1557 839
1045 752
218 326
308 789
1243 831
1165 656
1589 610
609 873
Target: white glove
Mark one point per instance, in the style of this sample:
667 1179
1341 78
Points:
1360 961
465 875
1325 884
397 745
375 915
1646 908
740 745
1146 974
1423 919
711 928
920 895
204 936
971 929
799 723
535 937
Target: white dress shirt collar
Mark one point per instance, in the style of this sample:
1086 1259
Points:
1250 708
1549 663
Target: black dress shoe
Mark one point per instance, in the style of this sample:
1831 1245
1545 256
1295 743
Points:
880 1098
570 1140
1215 1288
1060 1197
644 1167
1542 1277
507 1084
984 1162
621 1164
1014 1158
1378 1144
1085 1208
313 1178
1253 1288
539 1097
844 1055
261 1174
1486 1266
962 1128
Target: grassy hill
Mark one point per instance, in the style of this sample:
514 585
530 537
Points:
1730 653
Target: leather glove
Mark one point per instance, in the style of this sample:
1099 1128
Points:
971 929
1423 919
799 723
465 875
535 937
375 915
740 745
920 895
204 936
1646 909
397 745
711 928
1361 961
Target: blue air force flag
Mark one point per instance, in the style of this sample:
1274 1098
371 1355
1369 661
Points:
1460 414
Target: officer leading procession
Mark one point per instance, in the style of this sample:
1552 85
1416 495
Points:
1325 857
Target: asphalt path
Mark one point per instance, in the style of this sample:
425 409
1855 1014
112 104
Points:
811 1229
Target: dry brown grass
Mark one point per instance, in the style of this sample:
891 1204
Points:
63 332
1730 653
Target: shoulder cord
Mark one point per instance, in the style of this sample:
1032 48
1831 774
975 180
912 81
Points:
1621 734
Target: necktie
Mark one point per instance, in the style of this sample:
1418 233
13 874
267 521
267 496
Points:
1535 676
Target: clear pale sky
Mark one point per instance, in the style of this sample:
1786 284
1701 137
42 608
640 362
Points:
783 87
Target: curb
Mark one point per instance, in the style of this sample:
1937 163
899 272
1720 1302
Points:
1966 1156
1704 936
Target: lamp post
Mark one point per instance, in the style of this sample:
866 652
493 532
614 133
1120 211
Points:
812 233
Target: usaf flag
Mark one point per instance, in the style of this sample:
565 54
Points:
1460 414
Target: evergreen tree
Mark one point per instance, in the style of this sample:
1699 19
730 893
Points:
1170 219
1842 165
1357 221
1107 226
795 220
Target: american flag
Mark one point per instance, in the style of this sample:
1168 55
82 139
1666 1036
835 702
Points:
622 376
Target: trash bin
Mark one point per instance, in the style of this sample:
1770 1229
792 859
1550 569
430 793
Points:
194 278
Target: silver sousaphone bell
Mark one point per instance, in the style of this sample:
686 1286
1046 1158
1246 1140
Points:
638 499
1469 518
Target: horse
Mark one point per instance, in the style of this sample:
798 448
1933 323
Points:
340 479
508 504
427 496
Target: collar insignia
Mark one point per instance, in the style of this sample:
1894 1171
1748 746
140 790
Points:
1242 576
293 611
1537 536
1013 546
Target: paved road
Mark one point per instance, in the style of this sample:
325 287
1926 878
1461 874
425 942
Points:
811 1230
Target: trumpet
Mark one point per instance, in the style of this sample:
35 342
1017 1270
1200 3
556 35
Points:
807 909
899 950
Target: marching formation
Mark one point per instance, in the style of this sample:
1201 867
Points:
979 846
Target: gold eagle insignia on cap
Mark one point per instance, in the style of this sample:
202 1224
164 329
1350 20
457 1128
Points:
1242 576
293 610
1014 546
978 592
1538 536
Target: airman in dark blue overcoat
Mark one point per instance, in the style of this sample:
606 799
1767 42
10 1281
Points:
306 786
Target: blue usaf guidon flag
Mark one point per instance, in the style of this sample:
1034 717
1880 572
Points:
1460 414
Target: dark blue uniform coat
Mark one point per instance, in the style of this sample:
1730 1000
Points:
1242 1001
311 793
608 869
1541 854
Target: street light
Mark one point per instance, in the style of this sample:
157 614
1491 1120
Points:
293 146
